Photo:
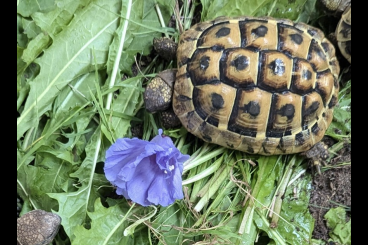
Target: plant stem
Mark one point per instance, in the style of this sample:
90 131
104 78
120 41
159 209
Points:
118 54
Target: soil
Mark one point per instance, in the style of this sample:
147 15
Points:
330 189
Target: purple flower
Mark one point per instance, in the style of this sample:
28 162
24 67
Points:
146 172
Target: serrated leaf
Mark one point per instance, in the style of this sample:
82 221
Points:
22 39
340 229
139 37
70 56
51 24
64 155
28 7
48 174
56 20
30 28
73 206
35 47
107 226
335 216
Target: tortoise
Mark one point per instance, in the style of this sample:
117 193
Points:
260 85
343 34
343 30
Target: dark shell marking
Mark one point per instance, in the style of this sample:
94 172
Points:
259 85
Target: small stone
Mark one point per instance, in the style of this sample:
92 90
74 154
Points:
37 227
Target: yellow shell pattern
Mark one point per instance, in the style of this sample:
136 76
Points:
258 85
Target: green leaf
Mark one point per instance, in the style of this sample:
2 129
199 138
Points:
55 21
35 47
296 223
21 65
143 22
77 93
166 9
231 8
51 24
22 38
73 206
62 154
340 229
30 28
47 175
283 9
341 124
310 12
127 102
263 224
70 56
28 7
170 217
107 226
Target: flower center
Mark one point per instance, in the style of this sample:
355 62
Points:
171 168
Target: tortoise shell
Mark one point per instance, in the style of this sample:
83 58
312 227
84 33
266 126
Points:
336 6
258 85
343 34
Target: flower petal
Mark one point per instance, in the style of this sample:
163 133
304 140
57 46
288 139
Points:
146 172
164 191
138 186
124 155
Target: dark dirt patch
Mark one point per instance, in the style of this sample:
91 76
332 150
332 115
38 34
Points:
330 189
